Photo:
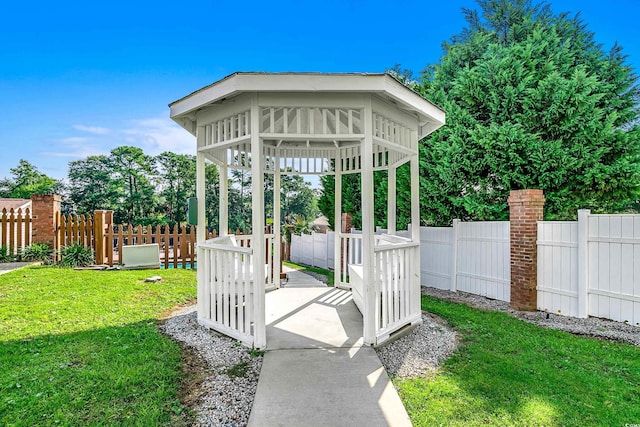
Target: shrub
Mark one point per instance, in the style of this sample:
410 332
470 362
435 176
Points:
6 255
37 252
76 255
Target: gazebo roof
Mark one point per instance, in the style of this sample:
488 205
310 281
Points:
382 84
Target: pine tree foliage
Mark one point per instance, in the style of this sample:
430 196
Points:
532 101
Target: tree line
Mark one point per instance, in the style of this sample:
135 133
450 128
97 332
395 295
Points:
151 190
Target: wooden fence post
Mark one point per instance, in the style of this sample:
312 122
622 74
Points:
99 220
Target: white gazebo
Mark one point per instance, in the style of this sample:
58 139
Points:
307 123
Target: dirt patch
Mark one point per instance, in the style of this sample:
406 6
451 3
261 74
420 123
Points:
194 372
167 314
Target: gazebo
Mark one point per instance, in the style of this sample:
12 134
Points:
307 123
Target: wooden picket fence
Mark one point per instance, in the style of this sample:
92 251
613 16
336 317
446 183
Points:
74 229
15 230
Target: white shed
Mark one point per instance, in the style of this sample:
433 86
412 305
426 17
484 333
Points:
308 123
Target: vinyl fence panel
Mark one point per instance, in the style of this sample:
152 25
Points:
614 267
483 261
436 256
558 267
320 250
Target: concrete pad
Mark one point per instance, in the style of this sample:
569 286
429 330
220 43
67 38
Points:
312 318
341 387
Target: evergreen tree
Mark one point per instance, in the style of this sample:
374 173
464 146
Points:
27 180
532 101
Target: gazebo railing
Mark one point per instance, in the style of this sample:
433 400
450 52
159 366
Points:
225 291
395 284
227 286
351 250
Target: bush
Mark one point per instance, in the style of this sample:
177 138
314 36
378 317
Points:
37 252
76 255
6 255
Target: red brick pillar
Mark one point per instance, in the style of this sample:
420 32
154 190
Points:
525 210
45 209
345 227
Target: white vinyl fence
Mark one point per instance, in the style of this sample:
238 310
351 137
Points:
315 249
470 256
591 267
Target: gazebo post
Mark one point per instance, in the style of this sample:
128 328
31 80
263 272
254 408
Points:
391 200
257 226
369 292
223 203
337 215
201 226
415 229
277 240
200 188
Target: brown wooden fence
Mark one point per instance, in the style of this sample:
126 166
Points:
15 229
177 244
72 229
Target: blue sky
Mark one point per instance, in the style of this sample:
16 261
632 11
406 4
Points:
80 78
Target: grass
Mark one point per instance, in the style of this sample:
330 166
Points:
326 273
508 372
82 347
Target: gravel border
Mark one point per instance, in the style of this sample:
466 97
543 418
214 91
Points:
420 352
224 394
590 327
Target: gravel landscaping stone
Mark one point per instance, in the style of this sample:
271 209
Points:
420 352
224 393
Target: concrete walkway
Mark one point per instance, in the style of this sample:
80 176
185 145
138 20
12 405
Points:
6 267
316 371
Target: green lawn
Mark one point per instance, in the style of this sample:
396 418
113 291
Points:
82 347
328 274
508 372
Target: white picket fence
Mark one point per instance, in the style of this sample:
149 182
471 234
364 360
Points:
591 267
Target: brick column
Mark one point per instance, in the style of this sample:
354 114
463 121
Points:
525 210
44 210
345 227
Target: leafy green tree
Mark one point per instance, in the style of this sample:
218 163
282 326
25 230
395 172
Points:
92 186
177 181
532 101
134 171
296 197
352 198
212 191
27 180
240 200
